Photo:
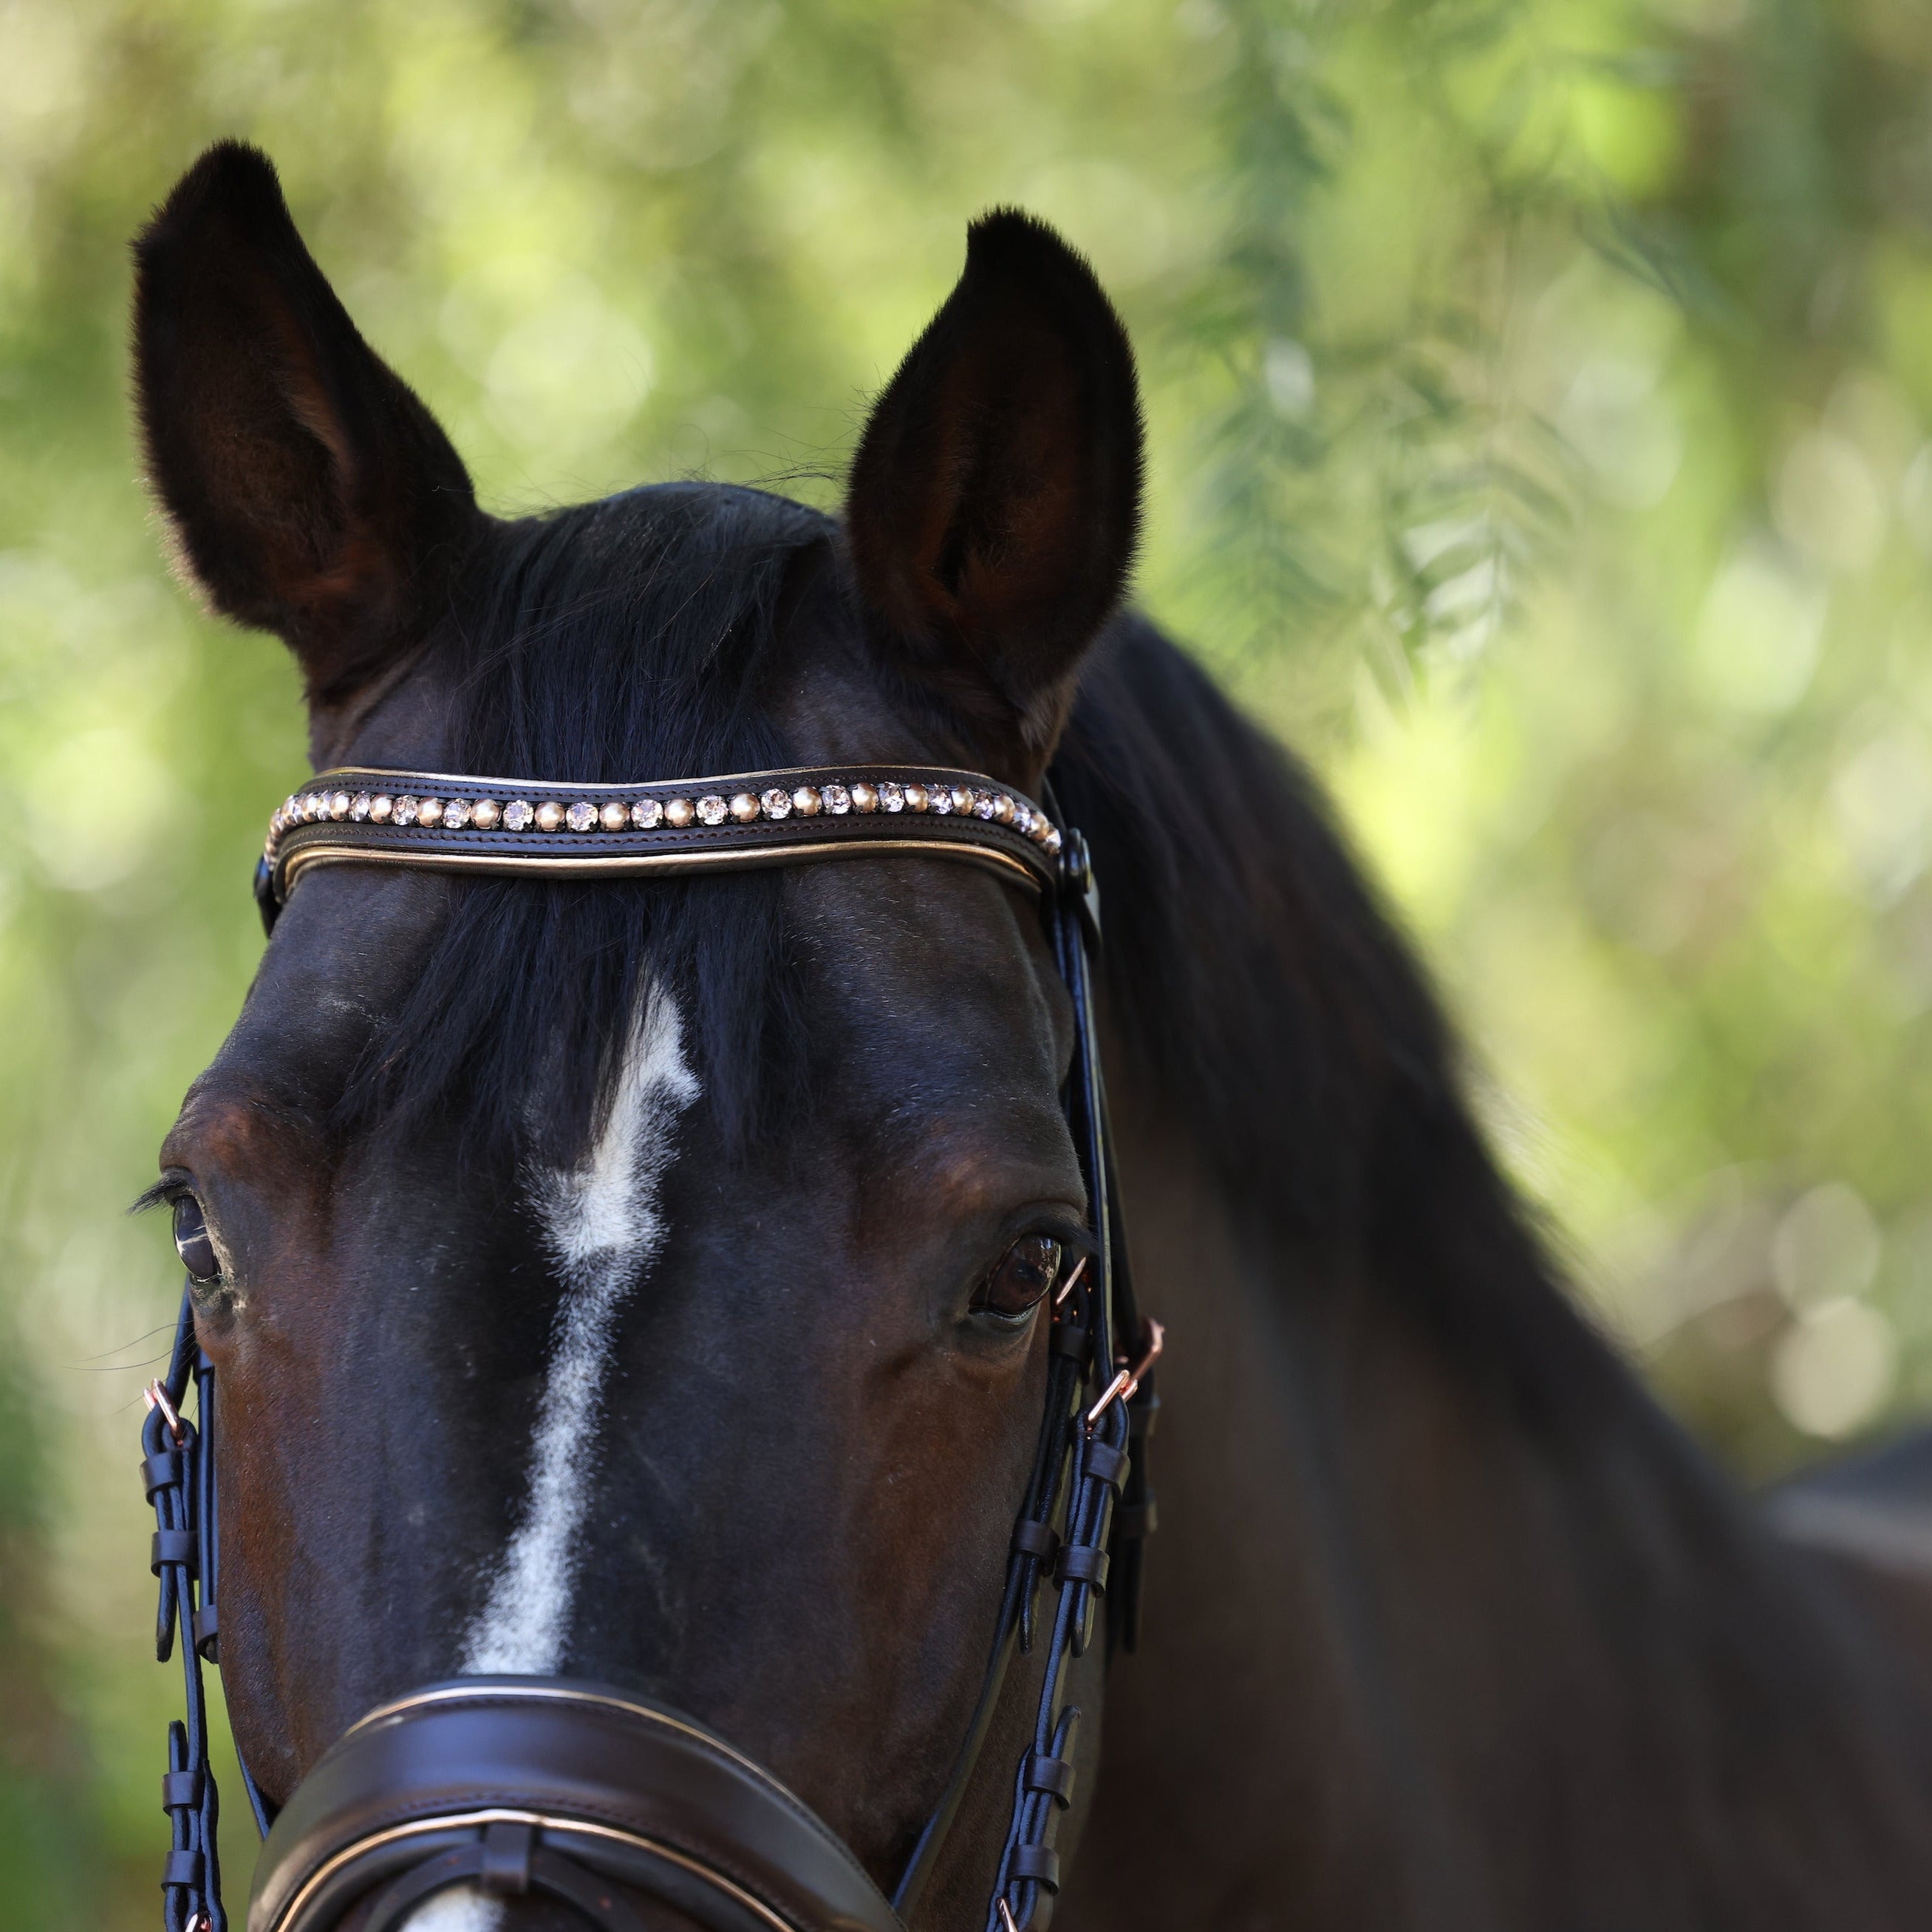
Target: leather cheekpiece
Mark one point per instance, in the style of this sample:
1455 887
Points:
611 1788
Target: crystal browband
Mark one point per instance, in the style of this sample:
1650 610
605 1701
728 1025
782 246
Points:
750 818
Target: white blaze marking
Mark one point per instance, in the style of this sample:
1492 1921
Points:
601 1225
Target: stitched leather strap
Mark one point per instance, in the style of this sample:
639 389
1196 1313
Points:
609 1781
788 817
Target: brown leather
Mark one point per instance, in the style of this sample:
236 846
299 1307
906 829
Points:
613 1784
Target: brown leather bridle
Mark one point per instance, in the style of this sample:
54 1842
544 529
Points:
575 1790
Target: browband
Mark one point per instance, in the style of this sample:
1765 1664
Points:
748 818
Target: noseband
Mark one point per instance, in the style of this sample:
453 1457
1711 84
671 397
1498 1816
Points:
592 1796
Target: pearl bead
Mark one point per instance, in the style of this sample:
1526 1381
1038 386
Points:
486 814
679 812
865 797
614 818
744 807
806 801
550 815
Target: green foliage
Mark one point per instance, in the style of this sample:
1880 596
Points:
1539 398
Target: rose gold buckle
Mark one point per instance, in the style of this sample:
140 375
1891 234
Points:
158 1398
1126 1380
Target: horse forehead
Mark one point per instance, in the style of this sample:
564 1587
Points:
936 972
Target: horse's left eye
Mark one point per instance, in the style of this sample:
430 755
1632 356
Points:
1026 1271
192 1243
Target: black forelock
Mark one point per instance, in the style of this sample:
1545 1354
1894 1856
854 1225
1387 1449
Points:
626 640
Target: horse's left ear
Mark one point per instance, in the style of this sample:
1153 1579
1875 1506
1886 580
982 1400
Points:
995 502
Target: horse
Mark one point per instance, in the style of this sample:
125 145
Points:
647 1281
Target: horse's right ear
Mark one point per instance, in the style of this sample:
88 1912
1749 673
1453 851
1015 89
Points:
308 491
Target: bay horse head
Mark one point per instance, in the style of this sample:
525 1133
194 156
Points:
644 1281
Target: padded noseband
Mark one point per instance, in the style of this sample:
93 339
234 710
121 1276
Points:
545 1785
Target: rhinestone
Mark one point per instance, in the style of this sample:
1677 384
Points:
806 801
291 808
645 813
308 806
837 799
962 799
550 816
679 812
381 808
865 797
486 814
891 797
456 814
407 808
1024 820
777 802
712 809
1052 841
582 815
1004 809
358 807
518 814
916 798
338 805
744 807
430 812
982 805
614 818
939 799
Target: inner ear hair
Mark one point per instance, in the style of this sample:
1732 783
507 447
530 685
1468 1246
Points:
307 490
994 507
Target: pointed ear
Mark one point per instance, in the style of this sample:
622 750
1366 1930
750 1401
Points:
995 502
308 491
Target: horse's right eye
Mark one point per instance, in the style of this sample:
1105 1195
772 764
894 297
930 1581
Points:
192 1243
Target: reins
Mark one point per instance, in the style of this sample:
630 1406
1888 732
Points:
392 1813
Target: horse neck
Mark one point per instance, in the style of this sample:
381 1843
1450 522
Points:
1419 1655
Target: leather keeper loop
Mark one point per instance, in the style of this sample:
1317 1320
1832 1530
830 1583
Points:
1040 1863
1109 1465
507 1851
1036 1539
1046 1773
1082 1563
174 1545
1132 1521
160 1472
184 1868
181 1790
207 1629
1073 1341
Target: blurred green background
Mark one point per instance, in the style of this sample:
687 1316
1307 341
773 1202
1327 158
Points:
1540 398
